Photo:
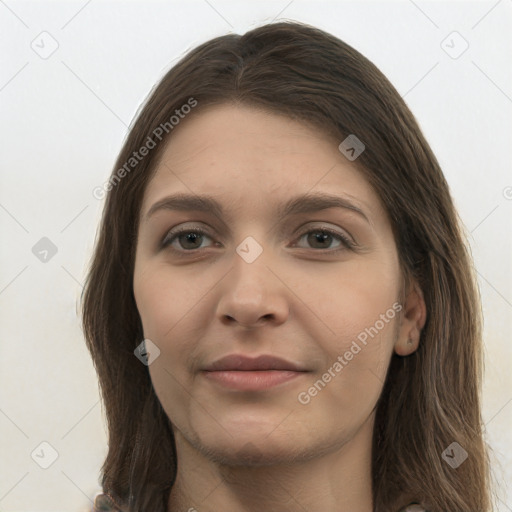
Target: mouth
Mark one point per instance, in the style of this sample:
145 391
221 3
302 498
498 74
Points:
242 373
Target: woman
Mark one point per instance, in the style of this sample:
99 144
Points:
243 366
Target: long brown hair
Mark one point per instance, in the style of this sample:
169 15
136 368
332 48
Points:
431 398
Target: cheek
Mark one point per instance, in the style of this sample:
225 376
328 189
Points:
351 299
171 307
166 307
359 313
166 301
345 392
153 304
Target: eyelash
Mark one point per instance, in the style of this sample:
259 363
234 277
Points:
171 236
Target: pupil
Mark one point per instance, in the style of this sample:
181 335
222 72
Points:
321 237
192 237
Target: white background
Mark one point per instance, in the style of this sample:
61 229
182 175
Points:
63 121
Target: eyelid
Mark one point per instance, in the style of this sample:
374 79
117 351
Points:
322 226
346 240
178 230
281 232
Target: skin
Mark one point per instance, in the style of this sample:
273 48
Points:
265 450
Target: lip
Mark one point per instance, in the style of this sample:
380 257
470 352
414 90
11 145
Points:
240 362
251 380
242 373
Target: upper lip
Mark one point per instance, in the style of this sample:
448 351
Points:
241 362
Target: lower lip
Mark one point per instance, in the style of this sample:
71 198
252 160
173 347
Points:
252 380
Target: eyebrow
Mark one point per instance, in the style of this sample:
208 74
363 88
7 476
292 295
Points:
306 203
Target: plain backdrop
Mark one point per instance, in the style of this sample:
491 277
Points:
72 77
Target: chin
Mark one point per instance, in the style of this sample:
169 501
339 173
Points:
252 454
256 450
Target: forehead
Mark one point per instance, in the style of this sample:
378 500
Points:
245 156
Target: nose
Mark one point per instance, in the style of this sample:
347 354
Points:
253 294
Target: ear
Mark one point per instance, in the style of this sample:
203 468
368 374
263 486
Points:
412 320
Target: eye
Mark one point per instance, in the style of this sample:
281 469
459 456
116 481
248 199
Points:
190 239
323 237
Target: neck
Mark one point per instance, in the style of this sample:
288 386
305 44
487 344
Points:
338 480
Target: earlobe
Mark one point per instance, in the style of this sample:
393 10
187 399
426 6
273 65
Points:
406 348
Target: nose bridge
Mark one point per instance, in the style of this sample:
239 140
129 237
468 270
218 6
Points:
251 290
251 275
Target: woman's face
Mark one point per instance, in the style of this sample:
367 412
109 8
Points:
269 275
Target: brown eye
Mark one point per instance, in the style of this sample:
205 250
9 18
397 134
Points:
188 239
183 240
322 238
